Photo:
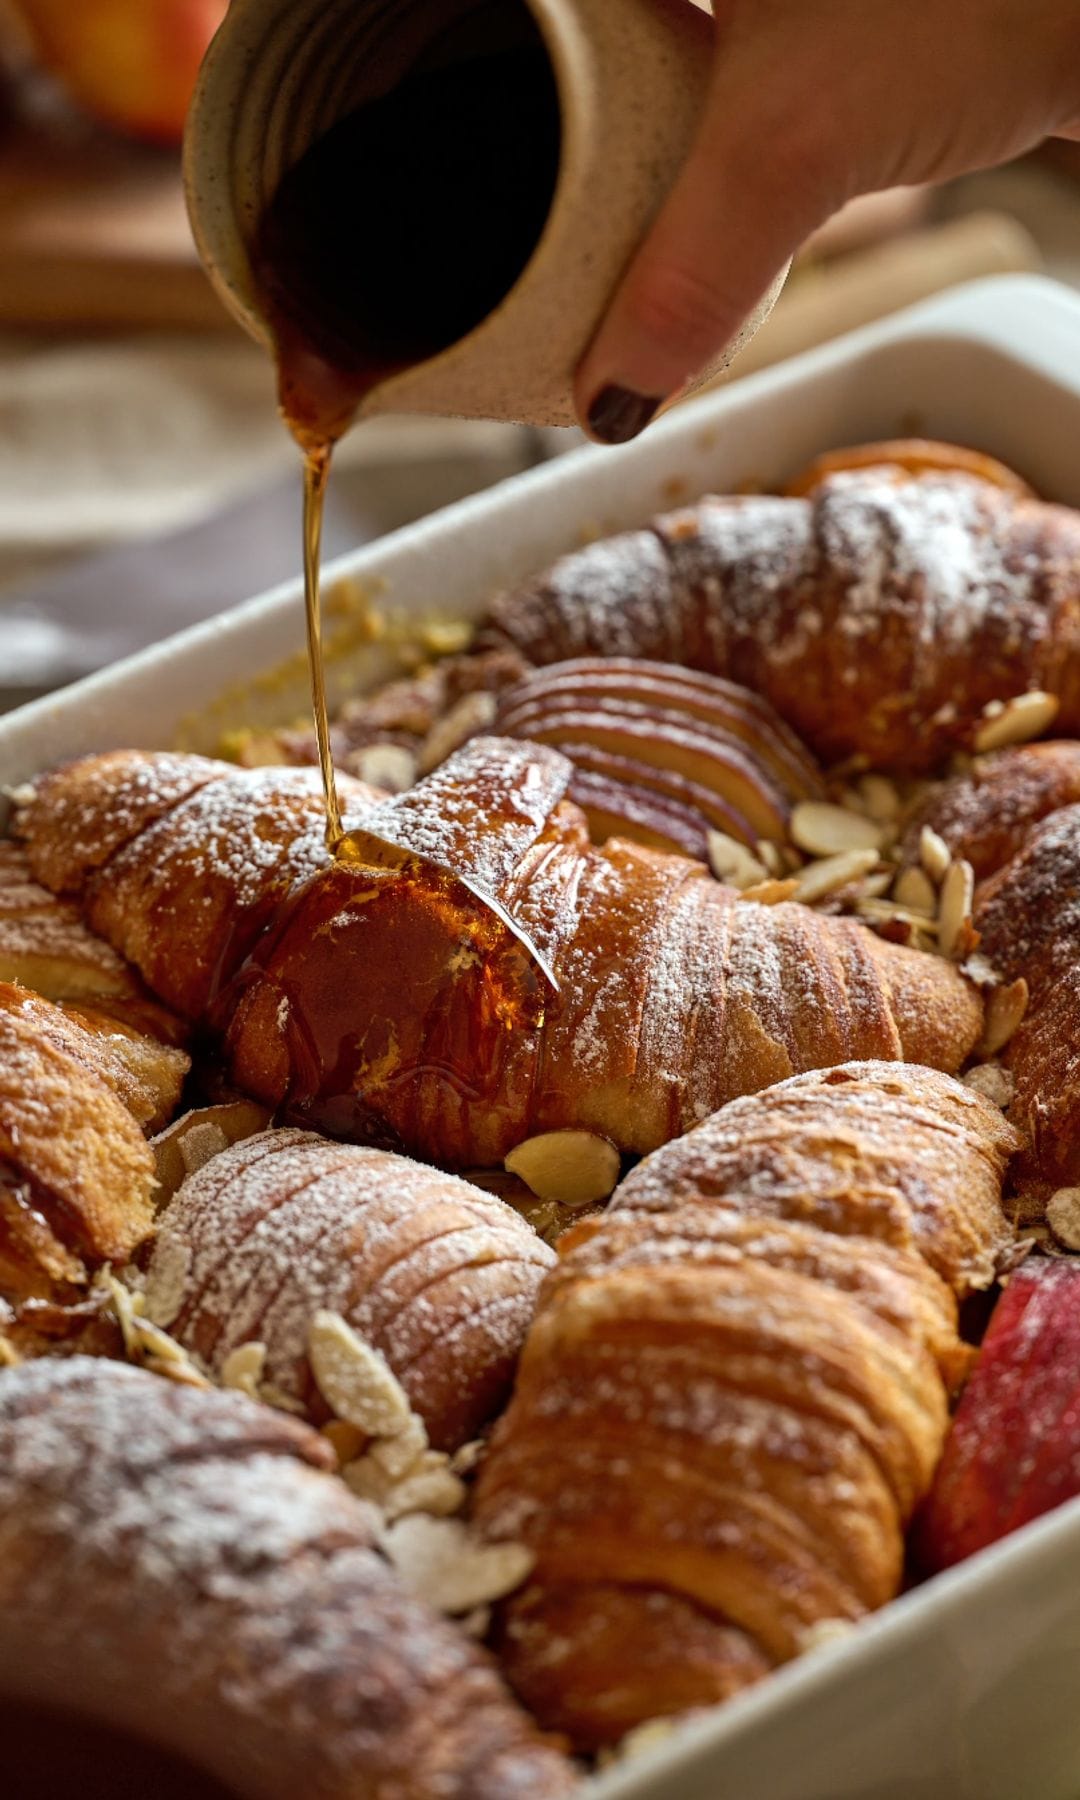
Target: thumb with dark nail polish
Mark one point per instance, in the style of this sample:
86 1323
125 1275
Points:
618 414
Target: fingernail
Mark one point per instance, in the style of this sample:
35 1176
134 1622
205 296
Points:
618 414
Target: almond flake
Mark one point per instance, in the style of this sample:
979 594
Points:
954 911
387 766
832 872
185 1374
430 1486
1016 721
573 1168
884 911
449 1568
1005 1009
199 1144
880 797
398 1456
770 892
769 855
243 1369
934 854
1063 1216
474 713
732 862
822 829
915 892
356 1382
991 1081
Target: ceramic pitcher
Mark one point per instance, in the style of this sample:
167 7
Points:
630 78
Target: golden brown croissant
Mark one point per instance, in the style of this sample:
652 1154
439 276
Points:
726 1411
76 1173
879 615
439 1278
177 1564
986 815
1028 917
389 1005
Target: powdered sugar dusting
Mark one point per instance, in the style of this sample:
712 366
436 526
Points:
283 1226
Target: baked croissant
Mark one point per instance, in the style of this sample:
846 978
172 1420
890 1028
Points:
390 1005
76 1173
436 1276
727 1409
879 614
178 1564
987 814
1028 919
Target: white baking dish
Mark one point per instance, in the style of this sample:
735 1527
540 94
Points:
966 1688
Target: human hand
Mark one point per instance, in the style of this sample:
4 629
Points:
811 103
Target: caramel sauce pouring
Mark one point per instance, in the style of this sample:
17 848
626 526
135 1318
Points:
469 218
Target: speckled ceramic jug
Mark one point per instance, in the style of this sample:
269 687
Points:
631 77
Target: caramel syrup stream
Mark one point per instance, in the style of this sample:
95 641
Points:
316 475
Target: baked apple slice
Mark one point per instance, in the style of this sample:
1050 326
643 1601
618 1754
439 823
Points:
691 741
1014 1448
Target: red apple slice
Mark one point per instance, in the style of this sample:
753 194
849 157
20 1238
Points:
1014 1448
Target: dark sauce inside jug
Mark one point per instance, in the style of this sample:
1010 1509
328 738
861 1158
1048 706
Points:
408 222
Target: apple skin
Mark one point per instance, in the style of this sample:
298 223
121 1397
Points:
131 63
1013 1451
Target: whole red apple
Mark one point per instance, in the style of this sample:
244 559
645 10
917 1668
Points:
131 63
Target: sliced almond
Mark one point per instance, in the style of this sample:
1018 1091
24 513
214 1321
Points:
954 910
768 854
185 1374
991 1081
770 892
449 1568
430 1486
1063 1216
190 1141
732 862
875 887
473 713
880 797
397 1456
1016 721
1005 1009
243 1369
934 854
832 872
915 892
883 911
822 829
573 1168
356 1382
388 766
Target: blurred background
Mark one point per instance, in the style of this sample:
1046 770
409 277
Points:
145 480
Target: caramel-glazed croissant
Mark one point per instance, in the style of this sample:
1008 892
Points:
390 1006
735 1392
878 614
179 1564
439 1278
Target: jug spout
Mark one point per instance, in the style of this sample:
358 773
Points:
439 197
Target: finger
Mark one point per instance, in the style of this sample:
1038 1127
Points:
748 196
